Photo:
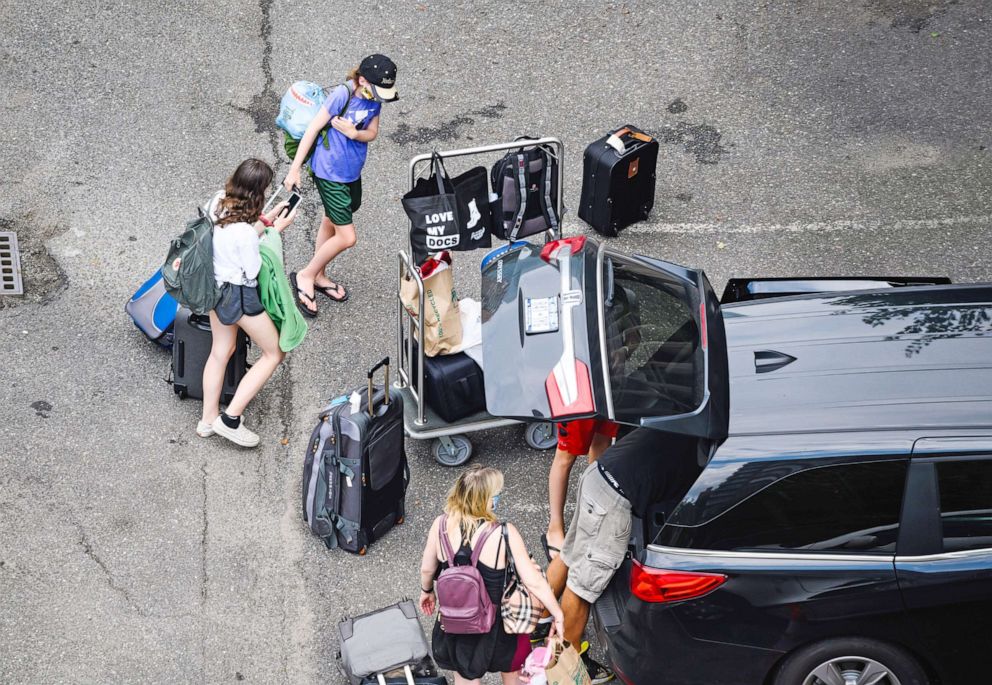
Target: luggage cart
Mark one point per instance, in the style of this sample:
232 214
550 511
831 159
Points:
450 444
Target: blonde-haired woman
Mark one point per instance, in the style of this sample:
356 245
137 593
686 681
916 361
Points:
470 516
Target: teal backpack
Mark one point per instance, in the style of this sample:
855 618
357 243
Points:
188 272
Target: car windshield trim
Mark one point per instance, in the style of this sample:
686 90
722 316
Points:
601 326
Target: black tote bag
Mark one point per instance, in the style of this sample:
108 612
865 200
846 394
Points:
433 212
475 221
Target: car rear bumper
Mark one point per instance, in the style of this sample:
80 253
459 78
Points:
646 645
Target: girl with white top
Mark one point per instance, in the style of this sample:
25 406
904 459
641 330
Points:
238 223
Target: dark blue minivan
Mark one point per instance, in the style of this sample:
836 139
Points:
840 530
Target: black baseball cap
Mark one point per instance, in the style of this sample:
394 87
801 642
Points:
380 71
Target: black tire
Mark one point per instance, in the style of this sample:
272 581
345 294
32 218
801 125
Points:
799 666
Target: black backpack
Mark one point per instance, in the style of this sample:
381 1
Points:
526 187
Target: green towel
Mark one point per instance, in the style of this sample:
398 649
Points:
277 295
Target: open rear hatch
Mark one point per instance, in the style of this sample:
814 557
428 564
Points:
575 330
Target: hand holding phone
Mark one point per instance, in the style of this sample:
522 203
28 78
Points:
294 199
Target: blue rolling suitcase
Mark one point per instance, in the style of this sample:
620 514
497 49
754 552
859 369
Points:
153 311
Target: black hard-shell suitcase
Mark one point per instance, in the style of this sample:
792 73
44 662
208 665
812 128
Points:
455 385
388 647
618 180
191 347
355 471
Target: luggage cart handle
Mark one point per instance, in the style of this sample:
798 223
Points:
383 363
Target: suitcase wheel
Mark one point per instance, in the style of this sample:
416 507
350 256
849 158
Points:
362 551
180 390
400 520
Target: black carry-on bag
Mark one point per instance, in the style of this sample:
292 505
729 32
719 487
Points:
355 472
191 347
387 647
618 180
455 384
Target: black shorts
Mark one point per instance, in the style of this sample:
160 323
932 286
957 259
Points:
237 301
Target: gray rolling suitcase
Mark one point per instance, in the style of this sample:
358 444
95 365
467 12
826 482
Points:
387 647
191 347
355 471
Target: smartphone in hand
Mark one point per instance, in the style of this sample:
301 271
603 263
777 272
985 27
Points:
294 199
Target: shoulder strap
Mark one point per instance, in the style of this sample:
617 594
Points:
477 548
449 553
347 100
550 209
522 173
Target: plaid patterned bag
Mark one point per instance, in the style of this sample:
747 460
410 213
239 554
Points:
520 610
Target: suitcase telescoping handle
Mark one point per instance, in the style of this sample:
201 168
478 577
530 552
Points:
383 363
407 671
615 140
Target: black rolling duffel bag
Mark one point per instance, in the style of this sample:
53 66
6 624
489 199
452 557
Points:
455 385
355 471
618 180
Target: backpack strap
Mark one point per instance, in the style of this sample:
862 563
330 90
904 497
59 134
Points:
442 529
521 173
550 210
477 548
324 132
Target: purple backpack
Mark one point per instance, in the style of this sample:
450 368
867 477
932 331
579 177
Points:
466 608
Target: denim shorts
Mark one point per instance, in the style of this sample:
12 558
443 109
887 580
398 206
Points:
237 301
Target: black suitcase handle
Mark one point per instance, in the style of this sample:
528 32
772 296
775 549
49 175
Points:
381 364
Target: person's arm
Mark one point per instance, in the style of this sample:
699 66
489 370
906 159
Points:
308 140
428 567
349 130
530 575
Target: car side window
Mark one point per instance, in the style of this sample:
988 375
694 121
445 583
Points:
966 504
845 508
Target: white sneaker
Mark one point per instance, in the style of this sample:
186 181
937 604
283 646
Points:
204 429
239 436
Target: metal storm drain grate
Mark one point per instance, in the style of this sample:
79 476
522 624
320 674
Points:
10 265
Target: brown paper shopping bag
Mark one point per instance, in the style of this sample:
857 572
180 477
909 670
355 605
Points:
565 667
442 322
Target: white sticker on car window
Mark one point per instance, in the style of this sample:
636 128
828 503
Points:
540 315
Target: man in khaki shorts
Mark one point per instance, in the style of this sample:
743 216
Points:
645 467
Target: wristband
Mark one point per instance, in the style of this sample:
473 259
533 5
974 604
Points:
265 221
428 591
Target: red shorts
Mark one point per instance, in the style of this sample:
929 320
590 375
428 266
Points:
575 437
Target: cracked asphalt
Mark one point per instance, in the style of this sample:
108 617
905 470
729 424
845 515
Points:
813 138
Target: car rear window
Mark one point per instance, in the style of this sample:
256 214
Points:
966 504
652 342
845 508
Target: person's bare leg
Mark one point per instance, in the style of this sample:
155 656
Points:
324 233
561 467
344 238
263 333
599 445
221 349
510 678
576 612
465 681
557 574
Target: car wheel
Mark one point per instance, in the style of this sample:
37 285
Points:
851 661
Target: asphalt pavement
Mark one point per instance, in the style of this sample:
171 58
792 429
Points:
813 138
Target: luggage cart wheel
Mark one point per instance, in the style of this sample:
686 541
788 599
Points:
541 436
451 450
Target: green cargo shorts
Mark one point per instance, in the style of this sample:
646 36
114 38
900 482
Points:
340 200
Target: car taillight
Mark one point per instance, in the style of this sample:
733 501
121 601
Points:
569 389
658 585
702 321
574 244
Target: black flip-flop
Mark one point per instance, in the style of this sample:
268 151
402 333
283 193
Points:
548 549
327 290
300 294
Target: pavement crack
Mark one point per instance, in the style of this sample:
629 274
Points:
90 552
204 577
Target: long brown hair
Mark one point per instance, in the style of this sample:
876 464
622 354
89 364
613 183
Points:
353 76
244 193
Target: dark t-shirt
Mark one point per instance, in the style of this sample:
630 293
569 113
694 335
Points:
650 466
